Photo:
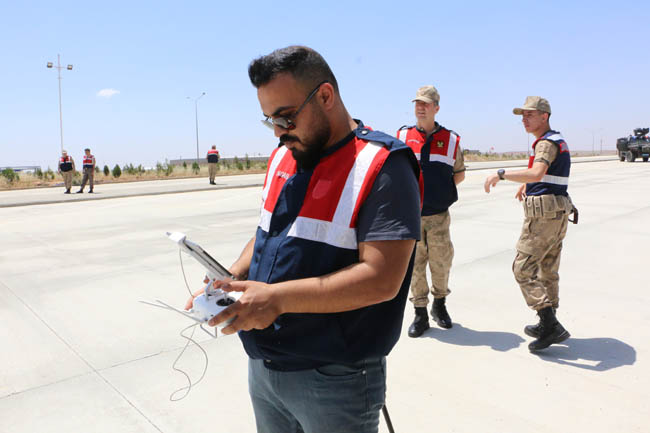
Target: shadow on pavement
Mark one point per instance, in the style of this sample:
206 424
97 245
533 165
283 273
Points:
597 354
501 341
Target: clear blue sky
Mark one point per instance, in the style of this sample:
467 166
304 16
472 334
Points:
589 58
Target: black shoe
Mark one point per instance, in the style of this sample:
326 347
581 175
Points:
439 313
90 192
551 331
212 183
80 191
533 330
420 323
67 191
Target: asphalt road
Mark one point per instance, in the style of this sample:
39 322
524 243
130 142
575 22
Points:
79 353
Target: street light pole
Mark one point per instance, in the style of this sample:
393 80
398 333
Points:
58 68
196 120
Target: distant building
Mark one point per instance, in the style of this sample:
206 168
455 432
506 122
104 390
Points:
23 168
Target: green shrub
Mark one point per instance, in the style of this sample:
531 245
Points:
49 174
117 171
107 171
10 175
248 162
38 173
195 167
184 165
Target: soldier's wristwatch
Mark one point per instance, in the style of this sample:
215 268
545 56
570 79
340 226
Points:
501 172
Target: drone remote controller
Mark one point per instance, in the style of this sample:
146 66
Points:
213 300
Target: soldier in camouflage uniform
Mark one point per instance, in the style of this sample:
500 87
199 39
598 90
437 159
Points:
441 160
546 208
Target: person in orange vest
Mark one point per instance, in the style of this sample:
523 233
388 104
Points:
441 160
89 172
213 159
66 169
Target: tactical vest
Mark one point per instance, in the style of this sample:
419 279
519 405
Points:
213 155
88 161
556 179
65 164
437 156
307 229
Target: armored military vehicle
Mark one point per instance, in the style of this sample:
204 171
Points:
634 146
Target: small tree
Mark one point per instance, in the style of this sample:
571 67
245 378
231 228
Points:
96 169
247 162
117 172
38 173
195 167
10 175
184 165
107 171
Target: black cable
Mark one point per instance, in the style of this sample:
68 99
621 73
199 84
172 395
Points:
389 424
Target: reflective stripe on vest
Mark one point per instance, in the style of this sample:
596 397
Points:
331 221
88 160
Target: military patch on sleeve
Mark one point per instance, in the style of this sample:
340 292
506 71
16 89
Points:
440 144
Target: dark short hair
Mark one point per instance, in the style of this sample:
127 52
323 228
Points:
305 65
86 149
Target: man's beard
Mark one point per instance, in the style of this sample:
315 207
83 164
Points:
313 145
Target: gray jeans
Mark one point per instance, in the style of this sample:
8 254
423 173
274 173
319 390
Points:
329 399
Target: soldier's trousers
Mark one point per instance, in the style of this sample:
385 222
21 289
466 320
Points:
89 176
436 249
67 178
212 170
538 260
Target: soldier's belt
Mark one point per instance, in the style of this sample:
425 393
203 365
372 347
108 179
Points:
547 206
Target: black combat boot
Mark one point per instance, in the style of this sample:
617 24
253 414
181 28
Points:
91 191
80 191
550 331
533 330
439 313
67 191
420 323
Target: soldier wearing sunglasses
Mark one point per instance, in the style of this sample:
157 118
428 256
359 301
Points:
326 276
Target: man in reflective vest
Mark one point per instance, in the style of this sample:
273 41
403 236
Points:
66 170
441 160
213 159
546 208
326 275
89 172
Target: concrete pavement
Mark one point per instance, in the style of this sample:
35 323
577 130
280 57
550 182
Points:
79 353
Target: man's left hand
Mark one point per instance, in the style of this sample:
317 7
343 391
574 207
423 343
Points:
257 308
491 181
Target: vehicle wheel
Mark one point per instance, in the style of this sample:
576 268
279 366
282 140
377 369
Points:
645 159
630 157
621 156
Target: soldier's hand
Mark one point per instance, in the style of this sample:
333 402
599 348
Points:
521 193
491 181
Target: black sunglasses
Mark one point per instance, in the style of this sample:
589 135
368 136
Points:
285 122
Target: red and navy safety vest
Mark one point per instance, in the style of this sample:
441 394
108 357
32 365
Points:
308 228
65 164
556 179
437 156
89 161
213 155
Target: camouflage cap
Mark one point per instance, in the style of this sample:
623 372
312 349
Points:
427 94
534 103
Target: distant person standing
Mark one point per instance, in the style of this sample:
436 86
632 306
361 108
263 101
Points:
441 160
544 191
66 169
89 172
213 159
